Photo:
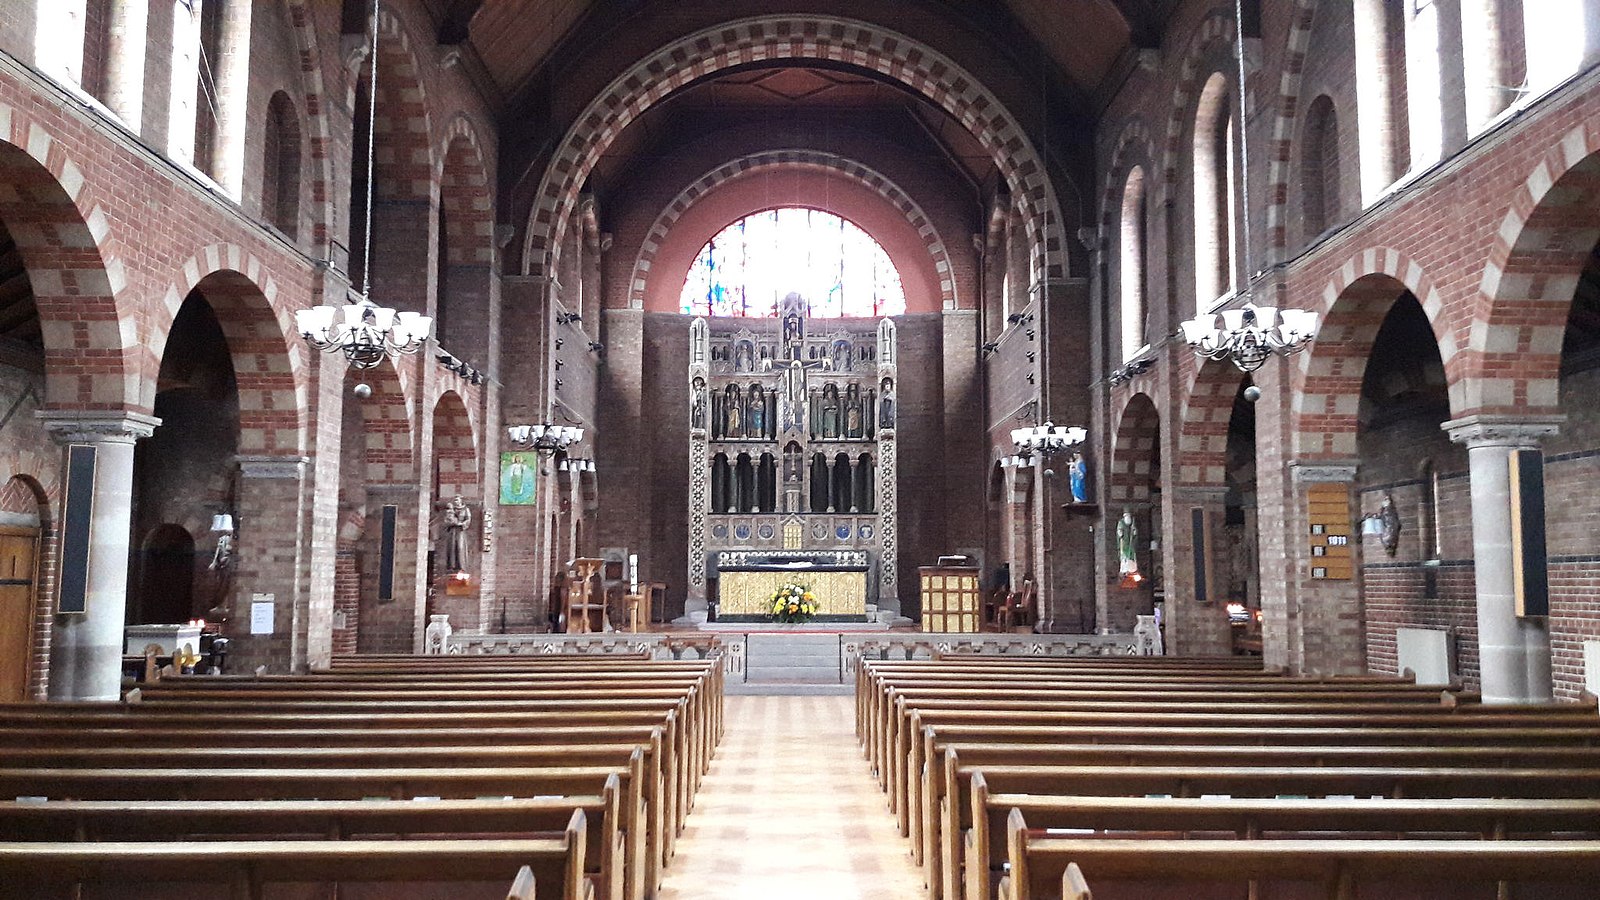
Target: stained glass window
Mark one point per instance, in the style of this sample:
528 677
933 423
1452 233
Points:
750 266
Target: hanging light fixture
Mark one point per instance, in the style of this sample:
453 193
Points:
363 331
1251 334
544 439
1047 438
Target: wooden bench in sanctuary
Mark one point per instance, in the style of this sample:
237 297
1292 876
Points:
959 744
1240 818
267 870
1329 869
256 761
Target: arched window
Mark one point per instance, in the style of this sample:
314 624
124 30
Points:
1428 532
1319 168
748 267
280 166
1134 304
1424 82
1215 194
1382 119
1553 31
206 97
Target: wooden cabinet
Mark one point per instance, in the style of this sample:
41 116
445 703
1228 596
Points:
950 600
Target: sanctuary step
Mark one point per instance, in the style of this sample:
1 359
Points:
791 659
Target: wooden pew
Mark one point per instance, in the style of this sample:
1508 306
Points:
1276 781
627 815
1154 714
259 820
1294 869
962 765
1487 819
414 870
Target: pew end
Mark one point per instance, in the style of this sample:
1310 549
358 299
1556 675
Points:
1073 884
522 885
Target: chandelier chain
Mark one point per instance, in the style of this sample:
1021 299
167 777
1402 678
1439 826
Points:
1244 152
372 134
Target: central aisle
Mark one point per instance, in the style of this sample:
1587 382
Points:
789 810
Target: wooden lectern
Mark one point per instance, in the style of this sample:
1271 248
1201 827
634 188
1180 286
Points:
585 596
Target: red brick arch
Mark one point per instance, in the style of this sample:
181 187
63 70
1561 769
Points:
792 159
314 109
1135 451
1355 302
1280 152
54 215
1513 356
1203 427
771 38
386 423
465 196
269 358
1214 36
403 126
455 449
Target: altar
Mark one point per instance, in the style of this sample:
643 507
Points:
747 581
792 464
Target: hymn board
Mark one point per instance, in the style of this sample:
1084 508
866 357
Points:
792 463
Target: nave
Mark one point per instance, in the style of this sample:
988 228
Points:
788 810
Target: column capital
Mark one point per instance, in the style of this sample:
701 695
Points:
258 466
1502 431
97 426
1311 471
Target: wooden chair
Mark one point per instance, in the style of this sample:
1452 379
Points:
1019 607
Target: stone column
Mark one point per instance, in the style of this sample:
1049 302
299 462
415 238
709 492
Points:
232 73
86 651
1513 652
125 53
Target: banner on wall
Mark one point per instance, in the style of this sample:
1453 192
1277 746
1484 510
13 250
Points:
518 478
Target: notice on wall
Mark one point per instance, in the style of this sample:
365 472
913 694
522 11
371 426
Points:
1328 509
261 609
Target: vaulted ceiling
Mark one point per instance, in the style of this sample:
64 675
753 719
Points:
1084 38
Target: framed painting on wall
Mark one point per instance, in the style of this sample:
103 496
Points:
518 479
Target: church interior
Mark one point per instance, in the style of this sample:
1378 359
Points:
949 449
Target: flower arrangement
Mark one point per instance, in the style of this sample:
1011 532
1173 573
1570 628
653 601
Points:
794 603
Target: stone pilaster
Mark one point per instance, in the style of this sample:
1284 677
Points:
1324 617
1195 627
269 566
86 649
1513 651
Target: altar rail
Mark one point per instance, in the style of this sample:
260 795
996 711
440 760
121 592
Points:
926 645
688 645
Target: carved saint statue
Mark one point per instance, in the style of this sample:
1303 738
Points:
733 428
758 412
886 405
794 385
1078 478
1127 542
1390 519
698 416
456 519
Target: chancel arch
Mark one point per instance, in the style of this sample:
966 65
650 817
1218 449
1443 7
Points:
772 39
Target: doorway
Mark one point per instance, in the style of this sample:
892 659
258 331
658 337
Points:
18 550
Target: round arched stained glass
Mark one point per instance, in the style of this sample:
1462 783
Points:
750 266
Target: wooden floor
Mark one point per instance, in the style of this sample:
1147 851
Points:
789 810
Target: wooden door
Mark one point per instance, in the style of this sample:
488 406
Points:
17 549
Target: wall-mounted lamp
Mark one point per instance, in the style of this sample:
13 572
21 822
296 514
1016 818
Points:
567 318
1132 370
989 349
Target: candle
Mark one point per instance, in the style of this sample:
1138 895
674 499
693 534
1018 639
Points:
633 573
